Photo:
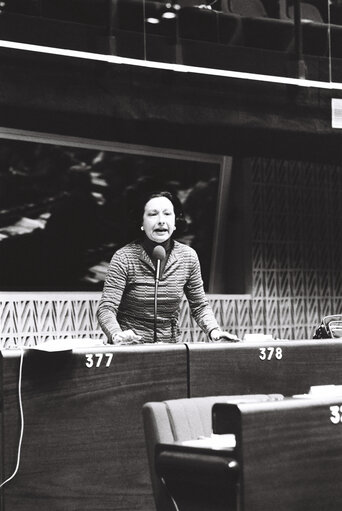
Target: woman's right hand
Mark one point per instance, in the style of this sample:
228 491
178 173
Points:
126 337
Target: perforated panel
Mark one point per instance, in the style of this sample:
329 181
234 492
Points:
296 245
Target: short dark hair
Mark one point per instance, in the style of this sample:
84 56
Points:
137 213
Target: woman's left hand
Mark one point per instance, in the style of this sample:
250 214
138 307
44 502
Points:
221 335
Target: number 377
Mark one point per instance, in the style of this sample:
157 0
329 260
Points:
98 359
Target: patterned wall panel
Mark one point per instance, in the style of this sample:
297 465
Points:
297 245
27 320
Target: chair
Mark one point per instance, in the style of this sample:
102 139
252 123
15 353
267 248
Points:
179 420
248 8
260 29
311 10
314 27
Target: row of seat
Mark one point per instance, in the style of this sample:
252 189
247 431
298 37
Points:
104 12
220 34
313 10
97 12
237 23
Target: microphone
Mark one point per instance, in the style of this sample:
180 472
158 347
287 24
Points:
158 255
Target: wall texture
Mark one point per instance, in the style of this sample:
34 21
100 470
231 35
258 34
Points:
297 234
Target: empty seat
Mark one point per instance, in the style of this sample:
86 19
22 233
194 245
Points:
171 421
249 8
309 13
258 28
179 420
314 27
311 10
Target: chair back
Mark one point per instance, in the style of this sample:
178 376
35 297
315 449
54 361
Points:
248 8
178 420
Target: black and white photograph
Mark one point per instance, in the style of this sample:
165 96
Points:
171 255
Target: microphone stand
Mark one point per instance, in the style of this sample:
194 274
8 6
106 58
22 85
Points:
158 255
156 299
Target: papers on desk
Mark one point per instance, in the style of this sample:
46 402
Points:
322 391
257 337
213 442
67 344
326 390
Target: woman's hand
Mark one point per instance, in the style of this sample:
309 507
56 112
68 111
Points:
126 337
221 335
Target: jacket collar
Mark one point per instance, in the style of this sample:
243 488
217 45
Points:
145 258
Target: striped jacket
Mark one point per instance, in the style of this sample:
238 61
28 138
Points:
127 300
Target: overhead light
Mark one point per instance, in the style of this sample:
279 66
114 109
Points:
172 5
171 10
169 15
153 21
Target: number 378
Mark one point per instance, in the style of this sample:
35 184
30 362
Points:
269 353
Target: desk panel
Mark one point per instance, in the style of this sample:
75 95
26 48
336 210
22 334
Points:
289 453
83 446
285 367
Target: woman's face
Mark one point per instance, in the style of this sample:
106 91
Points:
159 219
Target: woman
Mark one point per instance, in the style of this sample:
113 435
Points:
126 309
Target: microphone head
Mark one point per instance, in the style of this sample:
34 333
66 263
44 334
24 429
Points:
158 253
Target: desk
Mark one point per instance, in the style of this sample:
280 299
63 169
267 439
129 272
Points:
285 367
288 457
83 446
289 452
